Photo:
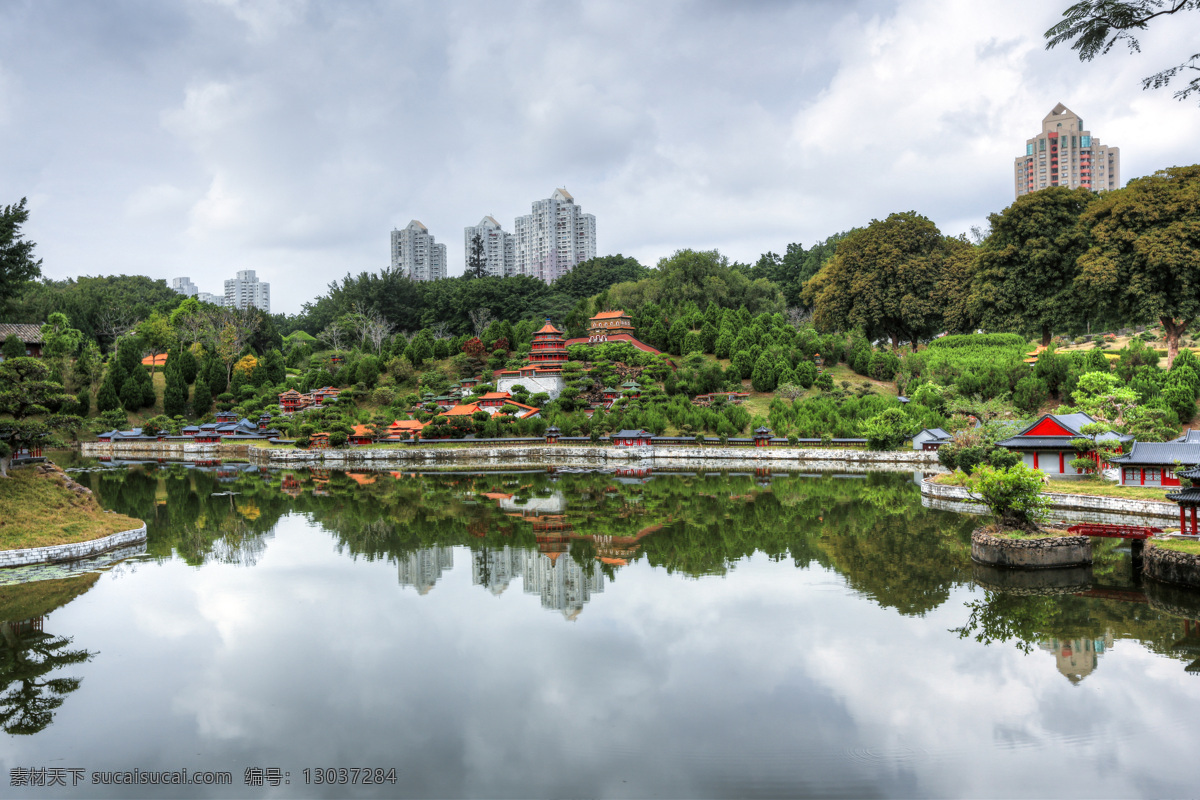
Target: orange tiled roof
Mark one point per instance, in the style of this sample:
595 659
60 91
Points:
158 360
610 314
407 425
548 328
461 411
362 430
496 396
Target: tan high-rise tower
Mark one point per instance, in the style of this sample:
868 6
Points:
1066 154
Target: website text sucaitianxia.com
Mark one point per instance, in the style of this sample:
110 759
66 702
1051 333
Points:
44 777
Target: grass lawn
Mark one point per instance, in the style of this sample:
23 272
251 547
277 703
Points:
38 510
1180 545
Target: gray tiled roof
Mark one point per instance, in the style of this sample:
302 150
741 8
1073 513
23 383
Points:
1191 437
1047 442
29 334
1160 453
1191 495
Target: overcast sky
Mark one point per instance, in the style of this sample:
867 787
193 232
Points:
200 138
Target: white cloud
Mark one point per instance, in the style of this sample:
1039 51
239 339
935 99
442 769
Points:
290 137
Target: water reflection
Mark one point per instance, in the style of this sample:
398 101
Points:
34 676
755 633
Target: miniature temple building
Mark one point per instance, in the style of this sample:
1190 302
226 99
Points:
762 437
1187 499
552 434
632 438
1046 444
548 348
361 434
1154 463
930 439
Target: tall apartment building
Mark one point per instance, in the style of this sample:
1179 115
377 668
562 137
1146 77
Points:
208 297
499 248
416 253
184 286
554 238
1066 154
247 290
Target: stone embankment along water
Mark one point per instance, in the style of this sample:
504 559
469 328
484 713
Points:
54 554
1075 502
524 454
1171 566
1052 552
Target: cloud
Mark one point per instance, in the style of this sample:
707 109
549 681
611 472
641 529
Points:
216 135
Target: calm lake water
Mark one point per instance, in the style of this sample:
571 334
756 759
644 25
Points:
539 634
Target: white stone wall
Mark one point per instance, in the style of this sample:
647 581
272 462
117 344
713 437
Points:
552 386
70 552
1078 502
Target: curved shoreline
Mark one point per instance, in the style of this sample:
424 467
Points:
1061 501
75 551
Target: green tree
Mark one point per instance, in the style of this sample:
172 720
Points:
1144 257
1025 274
157 336
1093 27
17 265
175 394
476 258
14 347
31 402
1013 494
762 377
888 429
202 398
886 280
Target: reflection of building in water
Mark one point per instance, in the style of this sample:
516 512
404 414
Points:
495 569
1189 645
1077 658
555 503
421 569
562 583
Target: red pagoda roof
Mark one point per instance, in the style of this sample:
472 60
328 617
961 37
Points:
548 328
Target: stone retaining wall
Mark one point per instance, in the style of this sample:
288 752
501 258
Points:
1033 583
1049 553
1076 502
1171 566
71 552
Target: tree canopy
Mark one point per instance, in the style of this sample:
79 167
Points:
1025 273
17 264
887 279
1143 260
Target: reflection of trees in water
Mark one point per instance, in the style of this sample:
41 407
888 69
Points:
28 657
871 530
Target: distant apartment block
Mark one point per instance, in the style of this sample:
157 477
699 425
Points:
247 290
208 297
184 286
1066 154
555 237
416 254
499 248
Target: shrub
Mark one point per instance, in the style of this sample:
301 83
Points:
888 429
1014 494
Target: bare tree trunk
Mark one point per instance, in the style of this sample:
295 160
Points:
1174 331
1046 336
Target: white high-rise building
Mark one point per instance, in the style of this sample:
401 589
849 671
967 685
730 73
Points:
499 248
247 290
554 238
208 297
184 286
416 253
